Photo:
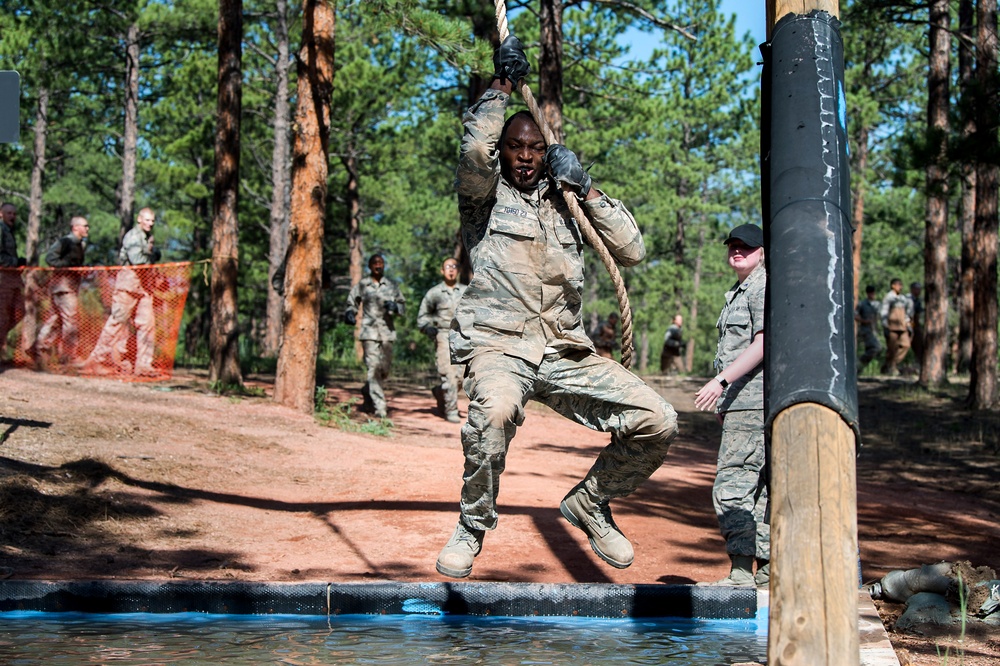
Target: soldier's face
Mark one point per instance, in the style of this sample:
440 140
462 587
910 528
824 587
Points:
9 214
377 267
522 154
743 258
146 221
450 272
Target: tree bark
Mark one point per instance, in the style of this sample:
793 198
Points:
38 159
983 380
32 290
224 356
280 191
295 381
356 260
967 206
550 66
692 321
935 321
130 140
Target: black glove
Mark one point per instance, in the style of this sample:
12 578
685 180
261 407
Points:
509 61
430 331
392 307
350 318
565 167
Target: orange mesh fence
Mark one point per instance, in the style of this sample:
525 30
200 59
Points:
109 321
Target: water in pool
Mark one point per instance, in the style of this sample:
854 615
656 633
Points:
197 638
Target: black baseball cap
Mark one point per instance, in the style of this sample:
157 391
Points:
750 234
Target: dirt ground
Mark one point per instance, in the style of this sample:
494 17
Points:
104 479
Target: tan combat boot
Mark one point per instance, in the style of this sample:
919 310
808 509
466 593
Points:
740 575
594 518
458 554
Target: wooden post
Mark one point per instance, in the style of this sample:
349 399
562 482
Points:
778 8
814 549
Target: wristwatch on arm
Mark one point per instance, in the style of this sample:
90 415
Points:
722 381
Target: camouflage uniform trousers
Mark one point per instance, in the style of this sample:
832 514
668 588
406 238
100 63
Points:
871 344
449 375
378 361
740 491
62 327
129 301
581 386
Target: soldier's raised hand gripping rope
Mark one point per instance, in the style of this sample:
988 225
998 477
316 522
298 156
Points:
512 69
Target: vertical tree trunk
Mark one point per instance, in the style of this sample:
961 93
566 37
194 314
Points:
126 199
967 206
935 323
550 66
352 195
280 172
692 321
32 290
224 356
295 382
983 380
40 134
356 260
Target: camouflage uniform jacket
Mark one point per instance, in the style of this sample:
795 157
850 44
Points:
8 247
868 315
742 318
376 322
892 301
437 309
134 252
526 251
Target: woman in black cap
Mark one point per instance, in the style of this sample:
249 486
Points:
737 395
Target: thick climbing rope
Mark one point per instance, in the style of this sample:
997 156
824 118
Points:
586 227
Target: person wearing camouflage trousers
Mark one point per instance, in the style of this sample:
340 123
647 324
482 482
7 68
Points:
130 301
437 309
519 331
739 494
381 303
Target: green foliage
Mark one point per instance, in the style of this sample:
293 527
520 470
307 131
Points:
339 416
673 133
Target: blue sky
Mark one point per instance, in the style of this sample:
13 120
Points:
751 16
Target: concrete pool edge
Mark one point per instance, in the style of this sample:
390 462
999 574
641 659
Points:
398 598
380 598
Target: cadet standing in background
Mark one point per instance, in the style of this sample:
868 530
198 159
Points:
61 331
736 393
130 302
897 312
672 355
437 309
867 315
381 302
